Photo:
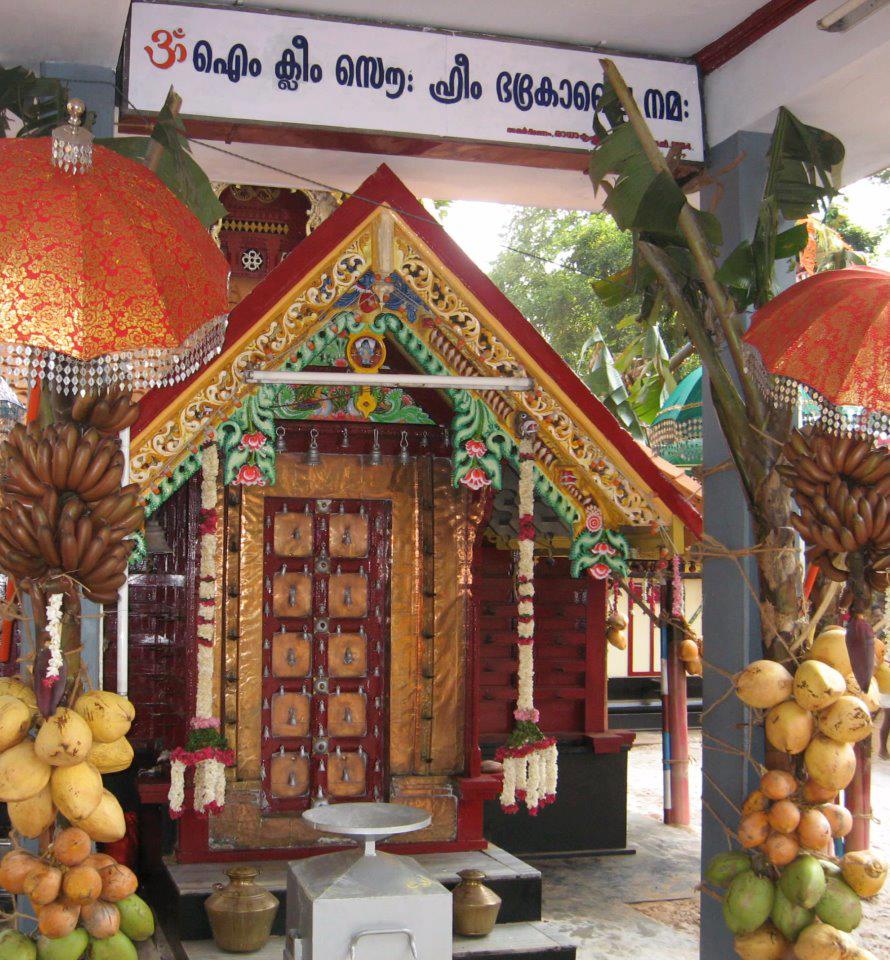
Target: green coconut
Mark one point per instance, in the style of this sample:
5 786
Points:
137 920
725 867
803 881
69 947
748 902
788 917
116 947
16 946
839 906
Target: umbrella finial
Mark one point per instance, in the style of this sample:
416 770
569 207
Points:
72 144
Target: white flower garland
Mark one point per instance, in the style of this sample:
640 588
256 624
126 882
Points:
208 754
54 642
530 758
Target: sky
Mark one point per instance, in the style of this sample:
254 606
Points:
478 227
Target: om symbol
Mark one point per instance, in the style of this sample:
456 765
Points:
174 52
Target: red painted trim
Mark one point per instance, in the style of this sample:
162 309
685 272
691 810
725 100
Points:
474 640
596 705
384 187
375 143
301 853
765 19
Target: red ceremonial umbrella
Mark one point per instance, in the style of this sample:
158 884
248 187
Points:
105 277
831 334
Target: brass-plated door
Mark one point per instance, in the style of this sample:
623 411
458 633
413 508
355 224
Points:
325 631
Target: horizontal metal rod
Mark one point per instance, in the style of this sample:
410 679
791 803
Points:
417 380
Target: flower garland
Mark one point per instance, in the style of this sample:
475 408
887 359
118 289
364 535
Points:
206 748
54 642
529 758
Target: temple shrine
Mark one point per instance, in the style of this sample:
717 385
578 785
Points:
363 575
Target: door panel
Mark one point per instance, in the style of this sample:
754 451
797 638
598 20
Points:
325 629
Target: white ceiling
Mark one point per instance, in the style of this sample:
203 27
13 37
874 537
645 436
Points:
838 81
72 31
91 31
676 28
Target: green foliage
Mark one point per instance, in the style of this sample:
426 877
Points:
39 102
861 240
577 260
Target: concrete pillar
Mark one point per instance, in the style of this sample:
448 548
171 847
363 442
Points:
730 620
93 85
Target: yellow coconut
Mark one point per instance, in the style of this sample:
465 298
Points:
64 739
15 721
829 763
817 685
32 816
106 823
765 943
763 684
831 647
76 790
847 720
108 714
111 757
13 687
865 872
789 727
871 698
882 677
819 941
22 772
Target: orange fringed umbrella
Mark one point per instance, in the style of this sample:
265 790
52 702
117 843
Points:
105 277
831 334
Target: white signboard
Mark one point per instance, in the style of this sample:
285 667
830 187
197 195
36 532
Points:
259 67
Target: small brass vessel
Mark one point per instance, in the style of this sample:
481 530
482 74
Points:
475 906
241 912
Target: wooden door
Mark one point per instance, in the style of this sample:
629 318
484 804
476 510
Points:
325 632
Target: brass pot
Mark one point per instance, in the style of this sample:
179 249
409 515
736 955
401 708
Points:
241 913
475 906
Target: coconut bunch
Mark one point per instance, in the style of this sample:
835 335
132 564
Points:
785 887
691 652
79 898
842 488
58 769
64 510
806 911
615 627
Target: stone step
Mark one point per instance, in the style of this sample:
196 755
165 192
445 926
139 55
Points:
536 940
182 889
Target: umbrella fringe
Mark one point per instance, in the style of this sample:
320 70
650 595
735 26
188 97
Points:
839 420
141 369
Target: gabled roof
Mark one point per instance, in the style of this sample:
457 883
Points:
567 397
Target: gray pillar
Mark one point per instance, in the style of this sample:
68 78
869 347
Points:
730 621
93 85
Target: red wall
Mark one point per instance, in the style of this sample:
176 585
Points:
570 688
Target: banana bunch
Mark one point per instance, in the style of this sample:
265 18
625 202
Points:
60 457
64 510
88 545
842 487
108 411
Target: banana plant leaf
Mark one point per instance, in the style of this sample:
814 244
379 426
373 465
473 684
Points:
605 382
177 168
38 102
